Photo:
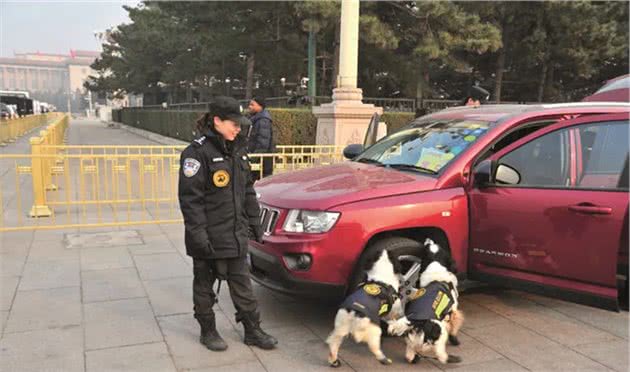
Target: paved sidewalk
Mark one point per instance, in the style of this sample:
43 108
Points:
120 299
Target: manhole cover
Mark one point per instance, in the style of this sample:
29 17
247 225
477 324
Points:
107 239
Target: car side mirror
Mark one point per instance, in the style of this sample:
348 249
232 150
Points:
352 151
507 175
482 174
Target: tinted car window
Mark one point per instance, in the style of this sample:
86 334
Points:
543 162
604 153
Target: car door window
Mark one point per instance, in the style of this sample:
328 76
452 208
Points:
543 162
604 150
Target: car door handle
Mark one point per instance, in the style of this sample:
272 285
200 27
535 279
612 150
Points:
590 209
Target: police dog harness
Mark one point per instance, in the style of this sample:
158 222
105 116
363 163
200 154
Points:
372 299
434 301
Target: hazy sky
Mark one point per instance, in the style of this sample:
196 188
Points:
56 26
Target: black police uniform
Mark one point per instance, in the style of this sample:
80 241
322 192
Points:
219 206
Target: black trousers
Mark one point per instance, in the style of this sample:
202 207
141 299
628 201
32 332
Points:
238 281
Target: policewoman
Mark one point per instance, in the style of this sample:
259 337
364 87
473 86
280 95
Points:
220 210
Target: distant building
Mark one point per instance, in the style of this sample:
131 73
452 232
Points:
50 74
37 72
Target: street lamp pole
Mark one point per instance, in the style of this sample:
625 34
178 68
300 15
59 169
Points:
349 44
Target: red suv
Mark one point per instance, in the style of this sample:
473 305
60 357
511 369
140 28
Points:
533 197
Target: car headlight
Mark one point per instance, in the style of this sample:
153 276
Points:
312 222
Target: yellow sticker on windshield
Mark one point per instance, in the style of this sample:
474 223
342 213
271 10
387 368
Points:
433 159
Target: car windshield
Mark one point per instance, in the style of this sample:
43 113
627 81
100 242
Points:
427 146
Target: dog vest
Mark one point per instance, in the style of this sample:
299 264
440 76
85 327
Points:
434 301
372 299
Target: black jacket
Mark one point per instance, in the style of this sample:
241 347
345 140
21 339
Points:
261 133
217 197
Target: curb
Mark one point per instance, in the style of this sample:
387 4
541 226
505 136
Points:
146 134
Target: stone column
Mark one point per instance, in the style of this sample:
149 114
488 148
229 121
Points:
345 120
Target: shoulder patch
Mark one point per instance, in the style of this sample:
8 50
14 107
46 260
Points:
417 294
200 140
191 167
372 289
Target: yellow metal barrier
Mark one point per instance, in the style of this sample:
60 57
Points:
100 186
12 129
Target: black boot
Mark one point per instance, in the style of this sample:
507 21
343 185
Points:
253 334
209 335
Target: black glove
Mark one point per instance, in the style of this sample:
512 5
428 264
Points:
256 233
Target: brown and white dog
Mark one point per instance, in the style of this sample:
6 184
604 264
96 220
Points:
361 313
432 315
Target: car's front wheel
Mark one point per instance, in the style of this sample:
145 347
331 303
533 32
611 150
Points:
405 249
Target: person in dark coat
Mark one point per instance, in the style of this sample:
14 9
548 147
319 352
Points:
221 211
476 96
261 135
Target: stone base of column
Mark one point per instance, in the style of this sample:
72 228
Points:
345 120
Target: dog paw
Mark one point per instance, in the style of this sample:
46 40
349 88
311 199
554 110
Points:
453 359
453 340
385 361
416 359
335 364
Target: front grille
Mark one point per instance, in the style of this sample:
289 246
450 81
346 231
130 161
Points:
268 219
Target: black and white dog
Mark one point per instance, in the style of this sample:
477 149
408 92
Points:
360 314
432 316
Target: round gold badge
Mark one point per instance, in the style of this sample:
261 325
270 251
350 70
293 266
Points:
372 289
417 294
221 178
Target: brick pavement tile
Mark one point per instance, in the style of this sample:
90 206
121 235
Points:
50 274
16 242
113 284
103 239
147 357
531 350
162 246
182 336
51 251
170 296
12 264
606 320
8 286
58 349
471 351
359 357
45 309
119 323
613 355
477 316
4 315
298 350
238 367
162 266
495 365
105 258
